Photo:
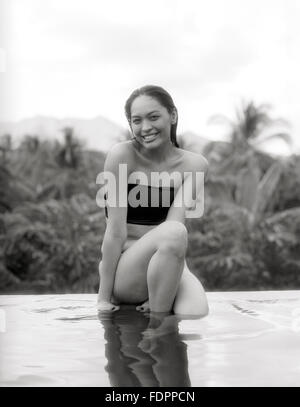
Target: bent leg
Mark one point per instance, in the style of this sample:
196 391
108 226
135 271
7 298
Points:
190 298
152 267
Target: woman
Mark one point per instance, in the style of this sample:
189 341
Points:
143 250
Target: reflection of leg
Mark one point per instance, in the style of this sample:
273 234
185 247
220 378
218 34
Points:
159 324
127 364
191 297
162 342
117 367
171 367
139 362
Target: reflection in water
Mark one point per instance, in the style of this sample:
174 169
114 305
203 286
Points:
144 350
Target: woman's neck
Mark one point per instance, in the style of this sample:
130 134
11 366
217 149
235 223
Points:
158 155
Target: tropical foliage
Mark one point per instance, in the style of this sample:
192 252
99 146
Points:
50 226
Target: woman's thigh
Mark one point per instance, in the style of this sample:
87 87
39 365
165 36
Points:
130 284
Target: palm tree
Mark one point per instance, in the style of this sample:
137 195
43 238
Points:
249 126
254 189
68 155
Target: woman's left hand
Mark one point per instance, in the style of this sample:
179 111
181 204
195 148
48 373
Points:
106 306
144 307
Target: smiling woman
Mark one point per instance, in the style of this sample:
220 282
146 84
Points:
143 250
148 111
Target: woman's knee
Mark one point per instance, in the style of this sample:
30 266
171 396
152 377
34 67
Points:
173 237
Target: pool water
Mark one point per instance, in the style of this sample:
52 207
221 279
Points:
248 339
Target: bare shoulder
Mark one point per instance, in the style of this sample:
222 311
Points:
120 150
120 153
194 161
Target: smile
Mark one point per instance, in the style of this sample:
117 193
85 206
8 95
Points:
150 137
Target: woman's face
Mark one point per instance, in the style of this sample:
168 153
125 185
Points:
150 121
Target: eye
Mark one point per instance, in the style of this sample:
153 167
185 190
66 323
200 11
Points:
136 121
155 117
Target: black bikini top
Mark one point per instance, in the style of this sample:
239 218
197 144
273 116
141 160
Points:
156 202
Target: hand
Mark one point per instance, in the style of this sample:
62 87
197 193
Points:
106 306
144 307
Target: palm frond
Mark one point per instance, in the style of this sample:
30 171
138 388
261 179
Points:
283 136
266 189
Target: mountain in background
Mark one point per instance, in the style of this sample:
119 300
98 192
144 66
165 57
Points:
98 133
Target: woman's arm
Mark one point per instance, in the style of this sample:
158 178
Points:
191 188
116 228
111 251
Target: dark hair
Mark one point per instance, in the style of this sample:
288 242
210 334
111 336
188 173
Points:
162 96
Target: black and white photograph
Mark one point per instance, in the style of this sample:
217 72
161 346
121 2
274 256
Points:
149 196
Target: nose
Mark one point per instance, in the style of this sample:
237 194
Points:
146 126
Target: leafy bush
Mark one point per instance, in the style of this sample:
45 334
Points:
51 229
54 244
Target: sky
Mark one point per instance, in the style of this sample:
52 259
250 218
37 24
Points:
82 58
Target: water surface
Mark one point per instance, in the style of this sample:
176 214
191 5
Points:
248 339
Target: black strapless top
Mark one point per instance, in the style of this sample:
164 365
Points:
152 212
